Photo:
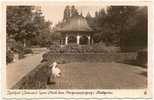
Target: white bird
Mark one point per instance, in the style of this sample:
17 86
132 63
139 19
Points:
56 72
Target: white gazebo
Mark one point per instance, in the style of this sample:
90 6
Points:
77 31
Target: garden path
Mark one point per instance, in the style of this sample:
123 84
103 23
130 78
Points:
15 71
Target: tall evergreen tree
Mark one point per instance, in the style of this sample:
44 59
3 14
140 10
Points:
74 11
88 15
67 14
124 26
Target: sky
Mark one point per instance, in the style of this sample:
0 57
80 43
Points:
54 12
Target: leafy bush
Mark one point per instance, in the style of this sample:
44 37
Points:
18 47
9 56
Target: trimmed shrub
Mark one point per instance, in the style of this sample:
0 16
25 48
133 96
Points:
88 57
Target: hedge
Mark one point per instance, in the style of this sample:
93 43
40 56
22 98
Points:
88 57
36 79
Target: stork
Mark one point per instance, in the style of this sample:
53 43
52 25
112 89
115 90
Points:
55 72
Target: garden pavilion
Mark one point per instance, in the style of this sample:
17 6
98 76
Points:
76 31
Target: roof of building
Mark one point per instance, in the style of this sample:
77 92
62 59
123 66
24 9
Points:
75 24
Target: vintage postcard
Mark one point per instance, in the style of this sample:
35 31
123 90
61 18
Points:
80 49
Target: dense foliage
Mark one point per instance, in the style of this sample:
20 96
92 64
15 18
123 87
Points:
27 25
25 28
124 26
69 12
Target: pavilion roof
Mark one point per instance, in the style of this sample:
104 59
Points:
75 24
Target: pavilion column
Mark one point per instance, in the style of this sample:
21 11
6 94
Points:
66 40
92 41
89 40
78 39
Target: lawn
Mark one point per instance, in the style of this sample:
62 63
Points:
87 71
100 76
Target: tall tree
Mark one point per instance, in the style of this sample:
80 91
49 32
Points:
124 26
66 14
118 20
25 22
137 30
88 15
74 11
19 19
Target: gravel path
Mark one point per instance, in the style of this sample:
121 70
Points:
100 76
15 71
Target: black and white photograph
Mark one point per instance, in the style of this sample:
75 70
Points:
76 46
